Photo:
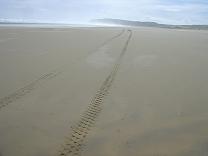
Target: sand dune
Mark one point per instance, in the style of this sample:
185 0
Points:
103 91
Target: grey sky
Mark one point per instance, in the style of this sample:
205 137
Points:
81 11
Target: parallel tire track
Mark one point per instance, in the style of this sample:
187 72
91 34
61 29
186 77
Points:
74 143
112 38
108 41
25 90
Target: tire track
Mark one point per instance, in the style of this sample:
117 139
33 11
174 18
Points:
112 38
25 90
108 41
73 144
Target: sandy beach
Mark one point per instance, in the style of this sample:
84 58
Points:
103 91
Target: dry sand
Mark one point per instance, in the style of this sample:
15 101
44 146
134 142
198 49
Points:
103 92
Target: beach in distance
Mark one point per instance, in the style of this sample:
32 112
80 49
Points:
103 91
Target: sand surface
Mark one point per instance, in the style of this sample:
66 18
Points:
103 92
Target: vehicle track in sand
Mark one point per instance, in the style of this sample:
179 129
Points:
74 143
106 42
26 89
112 38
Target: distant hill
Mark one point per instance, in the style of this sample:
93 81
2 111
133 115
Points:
148 24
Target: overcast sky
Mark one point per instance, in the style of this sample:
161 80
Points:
81 11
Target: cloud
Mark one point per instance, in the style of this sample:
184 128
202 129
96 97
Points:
163 11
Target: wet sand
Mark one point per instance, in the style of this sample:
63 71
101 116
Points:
103 91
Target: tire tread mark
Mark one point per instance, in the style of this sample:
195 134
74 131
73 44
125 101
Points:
73 145
112 38
25 90
28 88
